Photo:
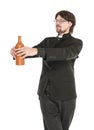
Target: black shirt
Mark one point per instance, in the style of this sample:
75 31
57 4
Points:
57 76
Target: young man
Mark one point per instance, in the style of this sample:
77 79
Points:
57 92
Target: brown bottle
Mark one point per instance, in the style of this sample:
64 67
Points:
19 60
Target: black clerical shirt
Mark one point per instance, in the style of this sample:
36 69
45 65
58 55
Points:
57 76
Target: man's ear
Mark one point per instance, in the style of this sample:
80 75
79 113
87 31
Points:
70 23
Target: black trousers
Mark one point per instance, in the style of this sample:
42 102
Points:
57 114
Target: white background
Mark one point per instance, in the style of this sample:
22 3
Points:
33 20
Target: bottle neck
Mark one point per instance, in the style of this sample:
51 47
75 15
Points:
19 39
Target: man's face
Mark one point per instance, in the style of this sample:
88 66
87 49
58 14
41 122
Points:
62 25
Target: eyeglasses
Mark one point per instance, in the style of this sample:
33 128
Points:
60 21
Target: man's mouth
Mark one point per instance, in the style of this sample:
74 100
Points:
58 26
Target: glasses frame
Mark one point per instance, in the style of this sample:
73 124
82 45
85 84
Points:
60 21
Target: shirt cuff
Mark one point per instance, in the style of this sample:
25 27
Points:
41 52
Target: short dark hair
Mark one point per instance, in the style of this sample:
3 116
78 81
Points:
67 16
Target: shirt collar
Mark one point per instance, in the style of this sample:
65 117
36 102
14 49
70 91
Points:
64 36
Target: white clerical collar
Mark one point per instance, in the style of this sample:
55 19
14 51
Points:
60 36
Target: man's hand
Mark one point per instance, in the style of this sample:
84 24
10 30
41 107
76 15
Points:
12 52
24 51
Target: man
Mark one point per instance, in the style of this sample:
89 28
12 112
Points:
57 92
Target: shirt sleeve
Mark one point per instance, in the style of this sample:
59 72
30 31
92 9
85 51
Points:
59 54
41 47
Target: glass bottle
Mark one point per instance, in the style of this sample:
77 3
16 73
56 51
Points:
19 59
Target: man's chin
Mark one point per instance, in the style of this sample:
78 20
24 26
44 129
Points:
59 32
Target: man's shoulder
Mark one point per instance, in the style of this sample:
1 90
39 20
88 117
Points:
75 39
50 39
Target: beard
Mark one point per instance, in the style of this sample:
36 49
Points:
60 31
